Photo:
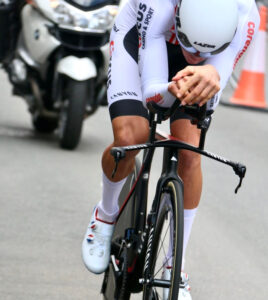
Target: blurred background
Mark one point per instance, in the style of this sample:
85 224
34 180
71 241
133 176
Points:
47 195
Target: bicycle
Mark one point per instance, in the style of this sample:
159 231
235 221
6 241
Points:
144 244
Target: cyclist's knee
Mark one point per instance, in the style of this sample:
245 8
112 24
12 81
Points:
189 162
130 131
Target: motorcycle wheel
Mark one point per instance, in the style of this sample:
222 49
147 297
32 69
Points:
44 125
72 113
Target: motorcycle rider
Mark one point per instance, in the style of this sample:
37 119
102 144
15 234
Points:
10 26
190 59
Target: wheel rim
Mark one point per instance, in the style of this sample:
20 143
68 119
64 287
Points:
163 254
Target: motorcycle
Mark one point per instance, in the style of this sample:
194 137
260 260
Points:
60 61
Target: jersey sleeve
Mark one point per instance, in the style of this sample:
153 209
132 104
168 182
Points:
152 22
225 61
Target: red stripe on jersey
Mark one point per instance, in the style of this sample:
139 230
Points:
173 36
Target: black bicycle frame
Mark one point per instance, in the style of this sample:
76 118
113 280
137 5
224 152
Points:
144 227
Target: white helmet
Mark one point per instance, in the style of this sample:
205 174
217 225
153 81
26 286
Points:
206 26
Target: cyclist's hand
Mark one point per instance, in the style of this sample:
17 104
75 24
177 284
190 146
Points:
195 84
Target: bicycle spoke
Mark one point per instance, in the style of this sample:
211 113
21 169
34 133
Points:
166 257
162 247
162 242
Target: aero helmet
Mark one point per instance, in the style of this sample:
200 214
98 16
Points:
206 26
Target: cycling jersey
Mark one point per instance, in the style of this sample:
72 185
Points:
154 20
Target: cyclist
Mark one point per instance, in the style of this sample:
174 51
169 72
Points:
160 50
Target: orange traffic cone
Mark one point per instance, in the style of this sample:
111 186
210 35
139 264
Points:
250 91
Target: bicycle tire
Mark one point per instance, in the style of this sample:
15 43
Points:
110 288
166 227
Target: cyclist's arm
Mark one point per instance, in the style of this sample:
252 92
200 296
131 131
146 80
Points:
153 20
225 62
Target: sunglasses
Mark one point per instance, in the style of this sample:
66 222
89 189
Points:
186 45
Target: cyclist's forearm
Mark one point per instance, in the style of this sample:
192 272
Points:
159 94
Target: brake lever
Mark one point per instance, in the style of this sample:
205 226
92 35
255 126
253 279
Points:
118 154
239 170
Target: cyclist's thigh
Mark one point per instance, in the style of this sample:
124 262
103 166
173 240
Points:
129 117
130 130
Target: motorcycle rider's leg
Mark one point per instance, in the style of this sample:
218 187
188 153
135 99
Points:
128 130
190 172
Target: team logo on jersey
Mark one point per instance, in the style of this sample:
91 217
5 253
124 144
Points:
144 17
124 94
115 28
249 37
139 41
157 98
111 47
109 73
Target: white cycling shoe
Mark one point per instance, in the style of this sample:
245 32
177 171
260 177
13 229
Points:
96 245
184 290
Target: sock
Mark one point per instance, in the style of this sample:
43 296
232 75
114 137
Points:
108 206
189 215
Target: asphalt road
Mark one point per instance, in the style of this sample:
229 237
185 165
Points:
47 194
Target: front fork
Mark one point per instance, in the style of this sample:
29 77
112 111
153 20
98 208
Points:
169 172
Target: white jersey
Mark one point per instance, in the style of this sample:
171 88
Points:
155 22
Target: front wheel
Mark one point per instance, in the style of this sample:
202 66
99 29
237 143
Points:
72 112
165 252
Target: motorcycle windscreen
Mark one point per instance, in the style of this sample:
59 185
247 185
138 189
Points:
91 4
